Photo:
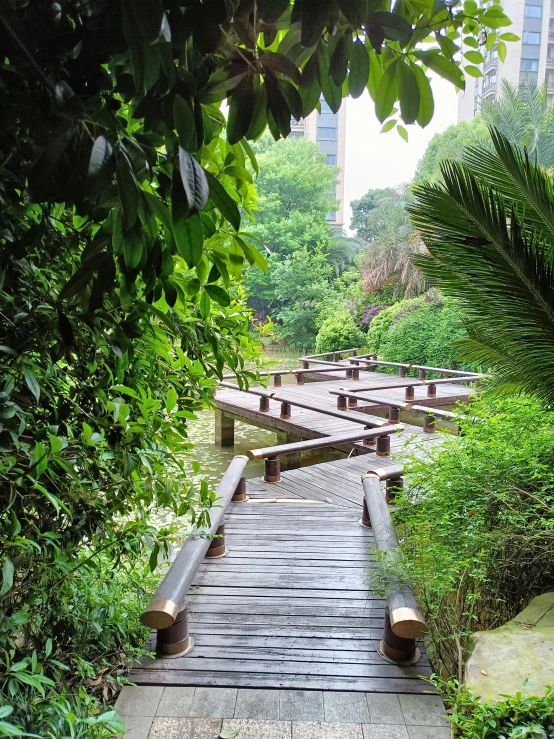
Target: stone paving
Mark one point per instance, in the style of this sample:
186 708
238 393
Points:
204 713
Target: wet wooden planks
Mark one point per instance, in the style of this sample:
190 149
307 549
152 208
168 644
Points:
291 604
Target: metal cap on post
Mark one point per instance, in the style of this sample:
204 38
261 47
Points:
277 381
421 374
305 365
410 393
217 546
394 415
396 649
300 378
285 410
341 403
175 640
382 448
239 495
272 469
264 404
431 390
365 520
352 402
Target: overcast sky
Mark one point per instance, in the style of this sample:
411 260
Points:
385 160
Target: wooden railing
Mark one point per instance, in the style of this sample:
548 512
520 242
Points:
404 623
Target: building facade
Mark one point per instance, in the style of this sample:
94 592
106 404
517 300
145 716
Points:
532 57
328 129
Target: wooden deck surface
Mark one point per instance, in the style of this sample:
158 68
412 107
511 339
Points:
290 606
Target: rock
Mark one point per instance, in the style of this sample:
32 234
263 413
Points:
517 657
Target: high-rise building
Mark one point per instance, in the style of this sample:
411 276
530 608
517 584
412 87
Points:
328 129
532 57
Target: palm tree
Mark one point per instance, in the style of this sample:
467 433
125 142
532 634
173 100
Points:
524 115
342 251
489 231
389 256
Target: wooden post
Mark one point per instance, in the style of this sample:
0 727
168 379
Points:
352 402
421 374
365 521
341 403
355 369
300 378
410 394
224 429
402 372
397 649
368 442
429 424
239 495
305 365
394 415
336 357
276 380
264 404
393 486
285 410
217 546
382 448
272 470
431 390
175 640
349 373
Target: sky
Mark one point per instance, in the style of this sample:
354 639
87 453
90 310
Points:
374 159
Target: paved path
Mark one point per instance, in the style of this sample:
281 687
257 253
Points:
203 713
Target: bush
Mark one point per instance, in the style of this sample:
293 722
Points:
420 331
479 544
339 332
515 717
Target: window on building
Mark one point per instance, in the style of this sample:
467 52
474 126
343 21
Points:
533 11
325 107
529 65
331 216
326 133
331 160
532 38
491 56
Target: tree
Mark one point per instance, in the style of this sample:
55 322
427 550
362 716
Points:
489 231
365 221
449 145
524 115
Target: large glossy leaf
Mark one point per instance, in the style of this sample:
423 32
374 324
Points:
450 71
313 17
386 94
99 157
183 120
218 294
194 181
128 190
408 91
271 10
426 102
359 69
223 201
395 26
241 110
189 238
331 92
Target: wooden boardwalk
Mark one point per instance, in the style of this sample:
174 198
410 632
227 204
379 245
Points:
290 606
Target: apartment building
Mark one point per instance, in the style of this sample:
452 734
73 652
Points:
328 129
530 58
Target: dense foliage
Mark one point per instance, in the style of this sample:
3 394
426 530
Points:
513 717
450 145
339 331
478 544
489 230
420 330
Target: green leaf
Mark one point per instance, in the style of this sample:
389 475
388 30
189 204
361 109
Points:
502 51
128 190
5 711
204 304
389 125
408 91
7 576
250 154
133 246
446 69
403 133
471 42
395 26
375 73
189 238
490 42
100 155
223 201
183 120
32 382
359 69
218 294
313 15
271 10
241 110
509 37
470 7
228 734
171 399
259 115
252 254
386 94
194 181
331 92
426 102
473 71
56 444
475 57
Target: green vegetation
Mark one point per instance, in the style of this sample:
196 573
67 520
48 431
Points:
339 331
515 717
420 330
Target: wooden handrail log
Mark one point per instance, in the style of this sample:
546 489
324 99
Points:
326 441
378 399
431 411
326 354
387 473
405 616
260 391
413 382
329 363
345 415
310 371
440 370
168 598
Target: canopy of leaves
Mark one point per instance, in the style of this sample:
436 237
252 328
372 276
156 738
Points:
449 145
489 230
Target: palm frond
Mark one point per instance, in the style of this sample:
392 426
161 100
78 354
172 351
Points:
484 252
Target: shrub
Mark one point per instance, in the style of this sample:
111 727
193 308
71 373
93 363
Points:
369 314
515 717
420 330
339 332
479 544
